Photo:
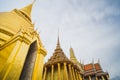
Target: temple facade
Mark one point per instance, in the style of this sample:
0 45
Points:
21 50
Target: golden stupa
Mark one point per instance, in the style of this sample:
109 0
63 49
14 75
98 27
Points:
21 50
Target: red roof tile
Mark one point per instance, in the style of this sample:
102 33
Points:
88 67
97 66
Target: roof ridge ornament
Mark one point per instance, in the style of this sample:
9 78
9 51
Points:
33 1
58 42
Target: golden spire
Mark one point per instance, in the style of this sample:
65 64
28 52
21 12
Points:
72 55
74 59
58 43
27 9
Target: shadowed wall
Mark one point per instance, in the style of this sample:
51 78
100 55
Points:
29 62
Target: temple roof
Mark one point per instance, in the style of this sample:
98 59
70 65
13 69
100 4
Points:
97 66
93 69
58 56
88 67
92 66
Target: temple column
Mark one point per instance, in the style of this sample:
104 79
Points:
79 76
65 72
59 77
107 77
71 76
96 78
44 77
52 72
76 75
89 77
103 78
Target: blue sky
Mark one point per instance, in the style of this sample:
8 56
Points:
91 27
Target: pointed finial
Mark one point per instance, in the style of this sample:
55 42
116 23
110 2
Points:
58 42
34 24
92 61
98 60
36 29
33 1
58 30
83 62
38 32
58 37
72 55
80 60
27 9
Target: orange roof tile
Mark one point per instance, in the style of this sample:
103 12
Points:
88 67
97 66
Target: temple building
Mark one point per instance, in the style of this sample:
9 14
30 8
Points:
59 67
93 71
21 50
22 53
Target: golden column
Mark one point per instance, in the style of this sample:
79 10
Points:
107 77
52 72
71 76
44 77
103 78
65 72
89 77
59 77
96 78
80 78
76 74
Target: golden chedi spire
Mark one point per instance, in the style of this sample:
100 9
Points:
74 59
27 10
58 44
72 56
